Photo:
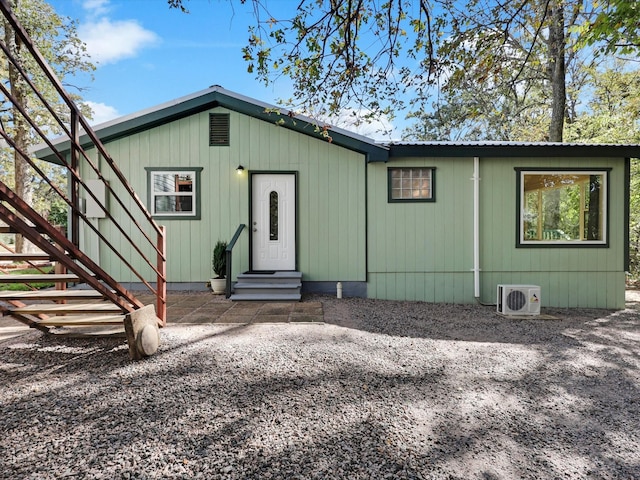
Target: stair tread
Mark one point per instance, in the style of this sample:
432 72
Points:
53 308
266 297
78 320
39 278
24 256
267 285
274 275
49 294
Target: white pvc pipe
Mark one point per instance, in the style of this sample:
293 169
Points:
476 227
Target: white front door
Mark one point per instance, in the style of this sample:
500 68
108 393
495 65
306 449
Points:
273 221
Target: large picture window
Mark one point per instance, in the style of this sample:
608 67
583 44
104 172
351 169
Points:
174 193
410 184
562 207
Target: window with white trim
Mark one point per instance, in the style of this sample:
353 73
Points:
562 207
174 193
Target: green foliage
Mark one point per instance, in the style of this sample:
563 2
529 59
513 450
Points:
219 259
57 40
479 64
634 221
613 110
320 49
23 287
58 214
613 28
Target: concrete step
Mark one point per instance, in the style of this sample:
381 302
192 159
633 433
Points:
267 288
271 277
272 297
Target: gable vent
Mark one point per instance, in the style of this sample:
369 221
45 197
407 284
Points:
218 129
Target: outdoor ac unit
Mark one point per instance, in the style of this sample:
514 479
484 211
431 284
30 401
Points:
518 300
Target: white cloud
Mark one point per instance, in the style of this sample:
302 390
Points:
109 41
96 7
102 112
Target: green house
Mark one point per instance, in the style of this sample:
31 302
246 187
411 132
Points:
434 221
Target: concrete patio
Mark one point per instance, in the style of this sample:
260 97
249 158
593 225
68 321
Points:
198 308
195 308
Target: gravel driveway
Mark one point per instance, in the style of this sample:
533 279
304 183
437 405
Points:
381 390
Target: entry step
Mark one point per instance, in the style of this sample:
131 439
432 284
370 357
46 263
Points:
270 277
284 288
268 286
273 297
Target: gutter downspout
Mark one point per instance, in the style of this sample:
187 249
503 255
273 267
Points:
476 228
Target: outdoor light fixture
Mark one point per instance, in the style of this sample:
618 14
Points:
240 169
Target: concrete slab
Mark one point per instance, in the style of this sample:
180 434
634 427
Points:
275 309
271 319
197 309
234 319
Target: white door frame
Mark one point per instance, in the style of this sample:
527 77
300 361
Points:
289 262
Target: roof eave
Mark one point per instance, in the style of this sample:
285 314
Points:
502 150
208 99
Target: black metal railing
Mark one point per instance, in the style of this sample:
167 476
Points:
229 258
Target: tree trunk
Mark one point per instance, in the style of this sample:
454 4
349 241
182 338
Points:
22 185
557 70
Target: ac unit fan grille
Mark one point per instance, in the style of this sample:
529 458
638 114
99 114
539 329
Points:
516 300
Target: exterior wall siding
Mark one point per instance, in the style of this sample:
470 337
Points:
347 231
331 196
424 251
569 277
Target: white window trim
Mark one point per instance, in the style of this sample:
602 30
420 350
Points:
195 193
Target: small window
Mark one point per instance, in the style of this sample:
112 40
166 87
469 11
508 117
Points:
560 208
218 129
174 193
273 216
411 184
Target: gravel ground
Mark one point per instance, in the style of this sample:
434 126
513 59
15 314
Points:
381 390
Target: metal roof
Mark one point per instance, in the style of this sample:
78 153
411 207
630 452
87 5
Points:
216 96
509 149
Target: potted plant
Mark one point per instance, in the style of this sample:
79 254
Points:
219 266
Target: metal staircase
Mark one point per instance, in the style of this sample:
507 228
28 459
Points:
138 242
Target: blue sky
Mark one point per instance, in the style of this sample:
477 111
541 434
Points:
147 54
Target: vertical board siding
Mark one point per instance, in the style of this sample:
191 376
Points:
424 251
331 196
414 251
569 277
